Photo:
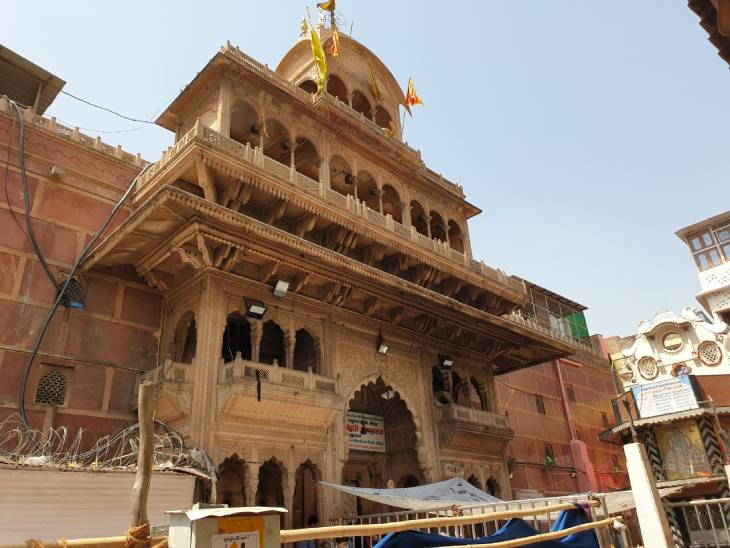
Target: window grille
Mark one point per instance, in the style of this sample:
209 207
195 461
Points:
51 389
75 295
540 404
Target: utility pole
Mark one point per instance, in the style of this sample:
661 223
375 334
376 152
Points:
140 529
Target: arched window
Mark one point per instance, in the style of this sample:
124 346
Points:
456 238
306 160
367 190
438 227
277 142
245 126
438 383
473 480
458 391
336 87
309 86
273 345
408 481
480 391
341 177
418 218
305 352
361 104
493 487
305 496
382 118
391 203
236 338
184 341
270 491
230 485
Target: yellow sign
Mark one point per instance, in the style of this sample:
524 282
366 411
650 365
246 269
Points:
244 524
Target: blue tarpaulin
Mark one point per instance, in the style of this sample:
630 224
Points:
514 529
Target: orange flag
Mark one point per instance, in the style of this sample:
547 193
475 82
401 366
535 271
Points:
411 98
334 48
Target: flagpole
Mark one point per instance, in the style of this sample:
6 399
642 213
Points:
402 125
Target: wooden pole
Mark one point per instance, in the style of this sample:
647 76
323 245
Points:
294 535
548 536
141 487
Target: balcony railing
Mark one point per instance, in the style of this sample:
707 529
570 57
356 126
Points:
474 416
255 157
73 134
519 317
244 370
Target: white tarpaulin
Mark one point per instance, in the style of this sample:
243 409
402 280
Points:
436 495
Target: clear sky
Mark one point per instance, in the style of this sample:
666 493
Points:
588 132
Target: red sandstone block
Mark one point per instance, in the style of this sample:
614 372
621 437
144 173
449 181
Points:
108 341
141 306
8 272
123 383
11 370
101 295
86 390
20 323
73 208
36 285
93 427
15 189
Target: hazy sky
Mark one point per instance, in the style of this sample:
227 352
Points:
588 132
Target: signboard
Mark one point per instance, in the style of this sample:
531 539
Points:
366 432
683 453
249 539
453 469
664 397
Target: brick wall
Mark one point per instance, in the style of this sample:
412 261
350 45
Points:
101 349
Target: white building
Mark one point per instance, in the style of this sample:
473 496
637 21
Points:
709 242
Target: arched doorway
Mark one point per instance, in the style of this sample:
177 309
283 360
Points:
305 496
270 490
230 485
381 442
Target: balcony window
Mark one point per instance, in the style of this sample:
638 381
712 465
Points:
305 352
272 344
236 338
710 248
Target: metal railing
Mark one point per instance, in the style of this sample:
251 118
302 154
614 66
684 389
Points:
539 520
469 414
702 522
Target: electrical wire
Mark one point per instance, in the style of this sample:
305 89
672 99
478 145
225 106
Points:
62 292
7 169
106 109
26 195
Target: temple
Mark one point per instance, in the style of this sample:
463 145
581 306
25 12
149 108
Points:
298 284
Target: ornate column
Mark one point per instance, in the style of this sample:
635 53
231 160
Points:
288 487
223 116
211 323
252 483
446 229
290 344
405 213
324 165
256 332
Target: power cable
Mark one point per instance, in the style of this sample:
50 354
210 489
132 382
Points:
106 109
26 195
62 292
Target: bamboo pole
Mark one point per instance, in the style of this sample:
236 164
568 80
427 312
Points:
141 487
103 542
547 536
315 533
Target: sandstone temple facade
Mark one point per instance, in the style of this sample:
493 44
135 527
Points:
296 281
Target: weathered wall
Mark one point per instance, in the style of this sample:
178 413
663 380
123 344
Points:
99 349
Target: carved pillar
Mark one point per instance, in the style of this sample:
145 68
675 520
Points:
292 157
252 484
446 230
223 116
324 165
288 487
428 224
290 343
405 213
211 323
256 332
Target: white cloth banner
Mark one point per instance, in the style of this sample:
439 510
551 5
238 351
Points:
436 495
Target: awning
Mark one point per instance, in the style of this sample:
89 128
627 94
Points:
424 497
659 419
620 501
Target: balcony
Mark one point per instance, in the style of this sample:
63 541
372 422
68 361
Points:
256 391
463 428
348 206
173 387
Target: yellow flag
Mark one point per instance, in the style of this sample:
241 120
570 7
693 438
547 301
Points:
327 6
374 85
320 60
